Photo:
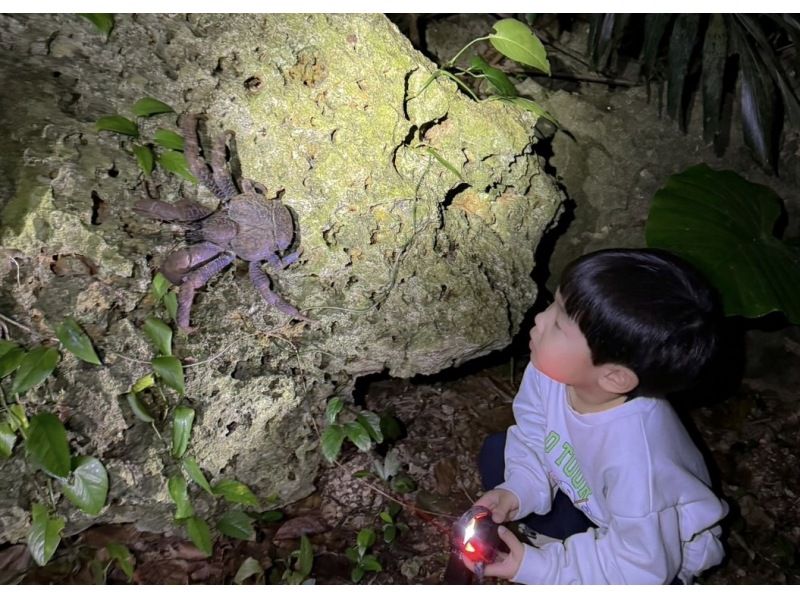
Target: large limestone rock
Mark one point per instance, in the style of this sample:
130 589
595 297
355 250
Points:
406 268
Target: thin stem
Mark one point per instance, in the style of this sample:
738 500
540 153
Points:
126 358
460 52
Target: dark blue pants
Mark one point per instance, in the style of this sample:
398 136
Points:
563 519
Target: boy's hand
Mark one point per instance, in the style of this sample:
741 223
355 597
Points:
502 503
507 564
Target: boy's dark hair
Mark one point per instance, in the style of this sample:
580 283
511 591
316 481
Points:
645 309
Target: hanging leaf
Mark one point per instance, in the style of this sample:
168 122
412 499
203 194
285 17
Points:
104 22
159 286
195 474
143 383
76 342
655 25
332 409
715 54
175 162
6 346
145 158
358 435
88 485
516 41
199 534
171 303
681 45
757 92
168 139
723 224
365 539
159 334
35 366
47 444
139 409
44 535
371 423
150 106
8 438
532 107
247 569
181 430
236 524
496 78
179 492
123 557
169 369
305 560
10 360
444 162
332 438
17 418
236 492
117 124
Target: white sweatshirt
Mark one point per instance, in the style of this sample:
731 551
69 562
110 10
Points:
633 470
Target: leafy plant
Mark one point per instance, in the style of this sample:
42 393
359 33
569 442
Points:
362 428
359 554
103 21
688 50
391 526
299 564
725 225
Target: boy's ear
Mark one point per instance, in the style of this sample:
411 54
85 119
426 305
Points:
618 379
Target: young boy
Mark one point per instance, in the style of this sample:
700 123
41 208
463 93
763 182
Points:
597 457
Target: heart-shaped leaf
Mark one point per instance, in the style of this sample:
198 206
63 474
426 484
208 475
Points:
169 369
247 569
10 360
139 409
76 342
358 435
145 158
236 492
496 78
179 492
159 334
175 162
104 22
168 139
46 443
88 486
123 557
723 224
150 106
8 438
371 423
181 430
195 474
332 438
199 534
516 41
36 365
117 124
44 535
237 524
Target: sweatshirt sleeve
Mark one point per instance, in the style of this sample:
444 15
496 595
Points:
525 474
632 550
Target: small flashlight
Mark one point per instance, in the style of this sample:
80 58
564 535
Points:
474 537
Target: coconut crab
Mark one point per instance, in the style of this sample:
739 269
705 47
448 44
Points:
246 224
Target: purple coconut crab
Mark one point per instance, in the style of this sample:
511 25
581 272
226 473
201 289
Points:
246 224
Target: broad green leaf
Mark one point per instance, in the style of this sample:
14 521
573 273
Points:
104 22
385 516
168 139
37 365
169 369
175 162
516 41
145 158
123 557
8 438
117 124
10 360
47 444
332 409
139 409
723 224
143 383
6 346
159 286
248 568
391 427
370 563
17 418
44 535
159 334
389 533
365 539
75 340
444 162
237 524
236 492
181 430
352 554
533 108
306 559
357 574
150 106
496 78
87 488
199 534
171 303
270 516
403 483
195 474
371 423
332 438
179 492
358 435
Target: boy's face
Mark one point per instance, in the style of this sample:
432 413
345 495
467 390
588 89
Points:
558 347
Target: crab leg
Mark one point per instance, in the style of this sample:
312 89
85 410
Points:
279 263
191 149
261 282
196 279
183 210
186 259
222 177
